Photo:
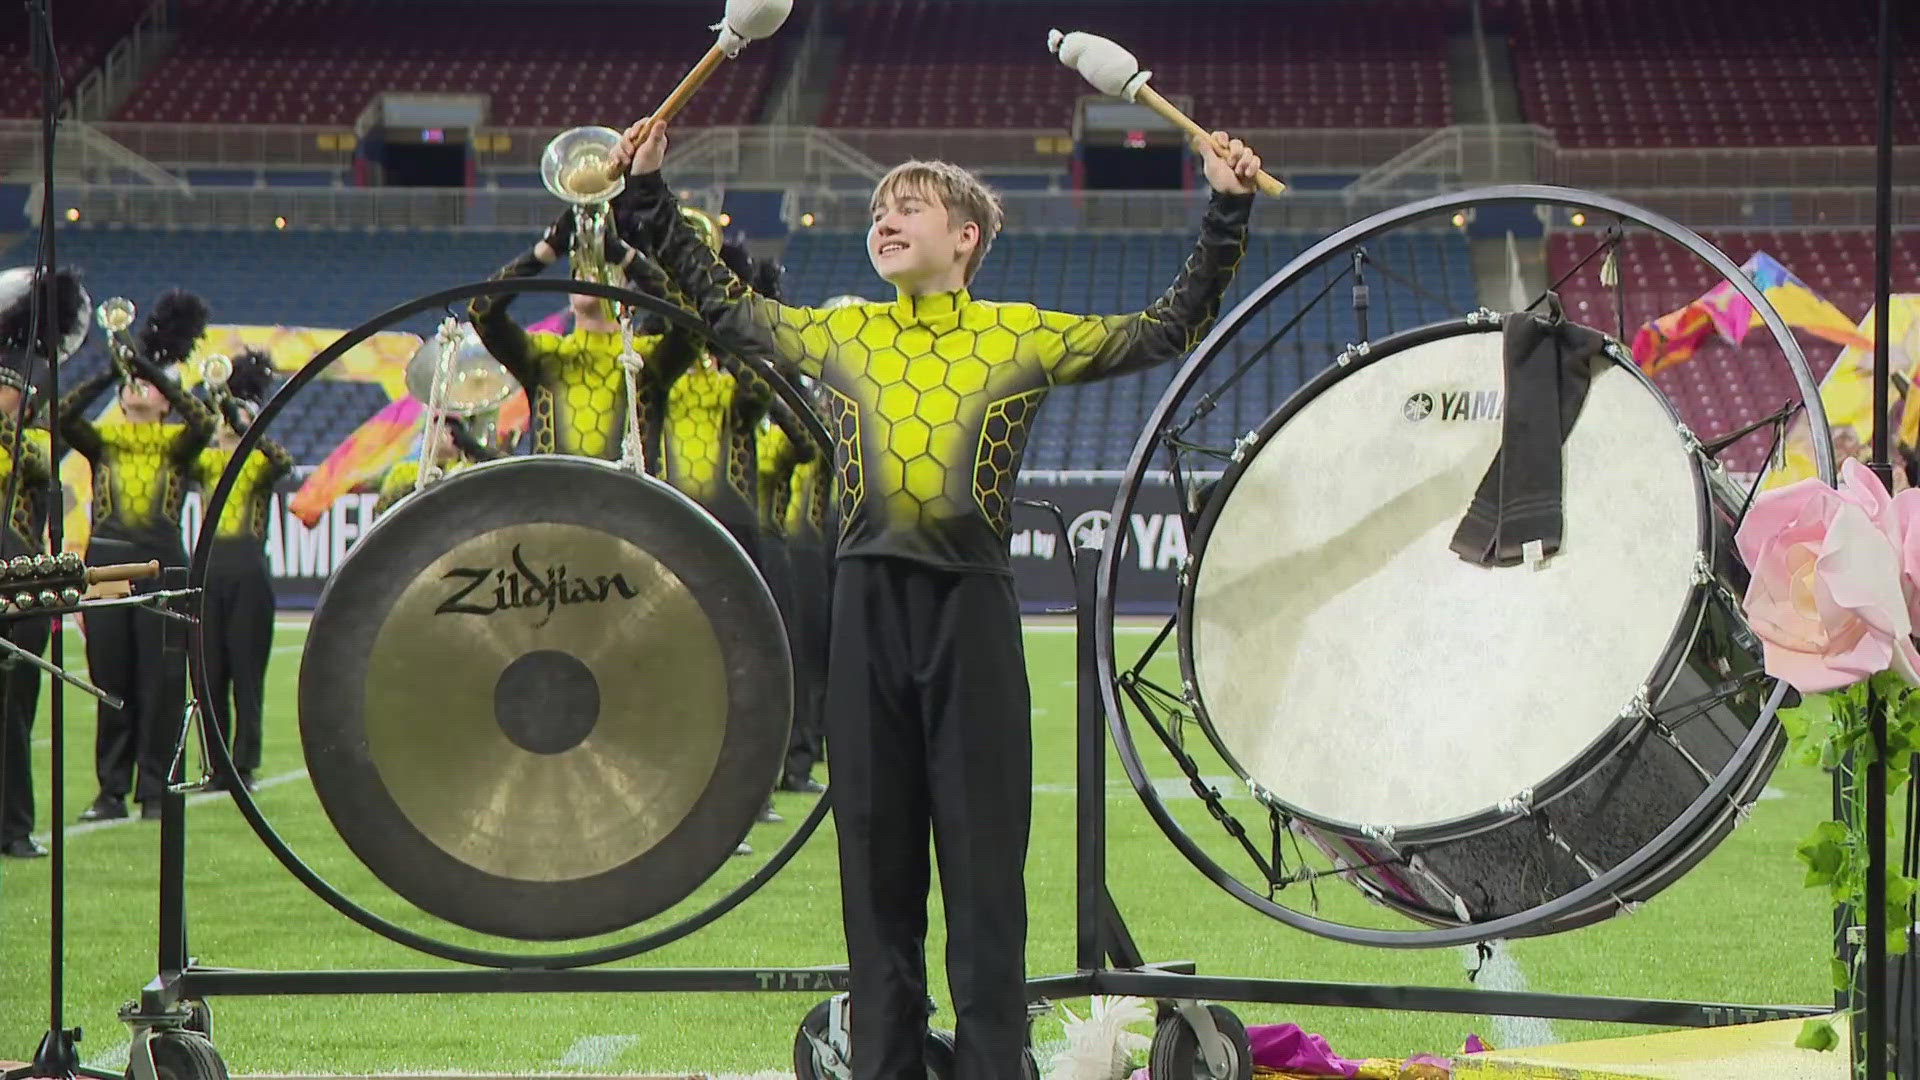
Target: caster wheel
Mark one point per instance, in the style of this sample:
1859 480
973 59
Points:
1176 1053
815 1059
200 1018
186 1055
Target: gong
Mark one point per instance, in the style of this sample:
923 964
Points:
545 698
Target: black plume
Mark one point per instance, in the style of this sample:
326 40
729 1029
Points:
178 321
69 315
766 278
252 376
734 254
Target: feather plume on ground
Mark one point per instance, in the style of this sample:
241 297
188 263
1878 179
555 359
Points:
1101 1047
178 321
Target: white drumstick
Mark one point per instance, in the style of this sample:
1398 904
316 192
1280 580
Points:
1113 70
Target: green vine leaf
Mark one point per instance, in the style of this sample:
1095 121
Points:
1817 1034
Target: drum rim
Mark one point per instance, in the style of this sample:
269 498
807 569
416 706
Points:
739 737
1562 780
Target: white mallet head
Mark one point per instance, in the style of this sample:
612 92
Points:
1101 61
751 20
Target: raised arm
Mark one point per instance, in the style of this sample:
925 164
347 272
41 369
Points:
794 338
503 337
75 429
1083 348
279 462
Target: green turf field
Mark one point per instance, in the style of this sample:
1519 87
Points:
1739 928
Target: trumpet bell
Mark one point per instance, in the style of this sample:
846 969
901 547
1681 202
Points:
473 382
115 315
705 224
574 165
215 370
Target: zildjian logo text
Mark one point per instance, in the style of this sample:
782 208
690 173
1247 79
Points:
521 586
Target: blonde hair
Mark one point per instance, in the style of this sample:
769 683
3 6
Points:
963 195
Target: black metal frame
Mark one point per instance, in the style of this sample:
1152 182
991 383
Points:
1109 962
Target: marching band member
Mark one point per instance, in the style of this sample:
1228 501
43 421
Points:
237 621
141 467
24 534
806 528
576 388
778 458
931 397
713 412
456 450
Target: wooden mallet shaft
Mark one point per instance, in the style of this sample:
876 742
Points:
676 100
1151 98
133 571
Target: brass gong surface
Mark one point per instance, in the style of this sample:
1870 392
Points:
498 759
545 698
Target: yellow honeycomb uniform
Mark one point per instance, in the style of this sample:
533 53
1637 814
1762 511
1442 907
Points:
710 439
778 457
931 399
809 494
27 517
576 390
140 471
250 503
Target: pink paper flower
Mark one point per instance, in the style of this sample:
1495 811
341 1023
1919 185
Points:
1906 527
1826 597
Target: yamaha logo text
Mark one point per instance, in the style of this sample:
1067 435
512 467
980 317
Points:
522 586
1453 405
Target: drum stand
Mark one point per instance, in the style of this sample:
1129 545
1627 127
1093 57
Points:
1209 1040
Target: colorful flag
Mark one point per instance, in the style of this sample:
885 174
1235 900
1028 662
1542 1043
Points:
1675 336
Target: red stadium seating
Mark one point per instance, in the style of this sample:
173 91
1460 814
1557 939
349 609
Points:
553 63
1726 73
84 30
1721 387
1370 64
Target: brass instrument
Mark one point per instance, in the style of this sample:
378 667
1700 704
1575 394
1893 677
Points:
116 318
215 370
463 382
705 224
574 168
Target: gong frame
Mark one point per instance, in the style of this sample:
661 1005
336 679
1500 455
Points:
180 978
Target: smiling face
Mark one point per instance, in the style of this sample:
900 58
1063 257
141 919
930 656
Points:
932 224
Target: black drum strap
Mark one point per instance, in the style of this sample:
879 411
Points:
1549 365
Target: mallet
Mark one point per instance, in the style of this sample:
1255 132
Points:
745 21
1113 70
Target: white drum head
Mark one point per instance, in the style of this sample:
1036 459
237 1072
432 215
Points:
1362 672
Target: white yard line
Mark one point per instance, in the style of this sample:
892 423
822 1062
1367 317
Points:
1502 972
133 816
596 1050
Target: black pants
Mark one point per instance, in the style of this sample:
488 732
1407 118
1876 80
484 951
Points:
812 606
127 656
777 566
928 724
20 689
238 637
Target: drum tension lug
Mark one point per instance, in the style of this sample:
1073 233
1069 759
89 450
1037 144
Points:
1520 805
1482 317
1688 439
1381 833
1353 352
1244 443
1639 707
1702 569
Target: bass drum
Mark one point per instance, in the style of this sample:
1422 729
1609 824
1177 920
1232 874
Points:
545 698
1468 742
